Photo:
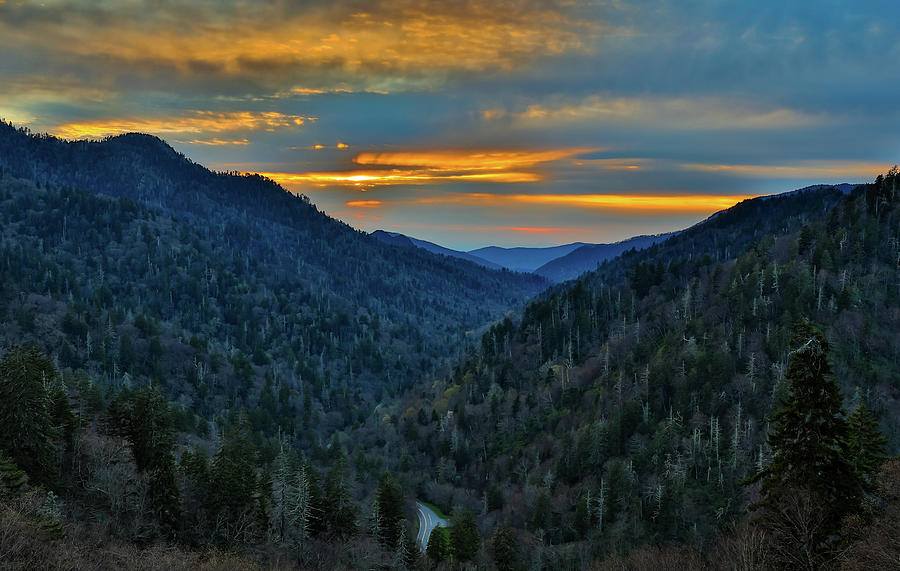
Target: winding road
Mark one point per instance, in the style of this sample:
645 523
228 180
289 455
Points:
428 520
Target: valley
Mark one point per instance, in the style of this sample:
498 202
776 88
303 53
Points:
269 382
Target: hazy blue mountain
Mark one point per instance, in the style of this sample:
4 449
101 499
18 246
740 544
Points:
397 239
524 259
586 258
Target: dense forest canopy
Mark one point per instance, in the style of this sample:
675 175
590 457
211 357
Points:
200 368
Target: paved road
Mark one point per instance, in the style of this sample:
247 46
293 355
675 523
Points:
428 520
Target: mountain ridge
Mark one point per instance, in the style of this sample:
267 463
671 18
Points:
402 240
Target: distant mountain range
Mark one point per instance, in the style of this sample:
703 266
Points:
556 263
397 239
588 256
524 259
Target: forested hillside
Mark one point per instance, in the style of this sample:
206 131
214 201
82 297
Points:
189 273
202 370
255 318
629 409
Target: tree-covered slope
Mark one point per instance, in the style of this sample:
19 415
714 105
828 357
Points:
628 408
197 344
125 259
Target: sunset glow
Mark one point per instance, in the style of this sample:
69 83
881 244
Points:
195 123
549 114
393 177
467 160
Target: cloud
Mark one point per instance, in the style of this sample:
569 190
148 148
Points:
817 169
196 122
700 112
363 203
467 159
434 166
216 142
644 204
392 177
279 43
485 228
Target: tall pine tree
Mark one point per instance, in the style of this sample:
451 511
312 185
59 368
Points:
811 484
27 433
464 538
390 510
866 445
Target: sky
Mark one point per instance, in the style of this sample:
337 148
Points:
478 122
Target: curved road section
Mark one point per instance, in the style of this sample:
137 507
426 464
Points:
428 520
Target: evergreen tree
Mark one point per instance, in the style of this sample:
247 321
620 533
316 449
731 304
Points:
165 496
810 473
389 500
341 512
506 548
60 409
866 446
150 434
149 427
464 539
540 518
583 516
26 427
12 480
233 490
438 548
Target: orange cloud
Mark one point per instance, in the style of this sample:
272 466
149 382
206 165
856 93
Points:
533 230
361 178
631 164
198 122
477 228
646 204
467 160
217 142
437 166
391 38
363 203
659 203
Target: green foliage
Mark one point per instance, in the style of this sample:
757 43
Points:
627 408
390 509
618 411
149 430
438 548
465 541
26 426
506 548
341 511
811 460
60 410
12 480
540 515
866 446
